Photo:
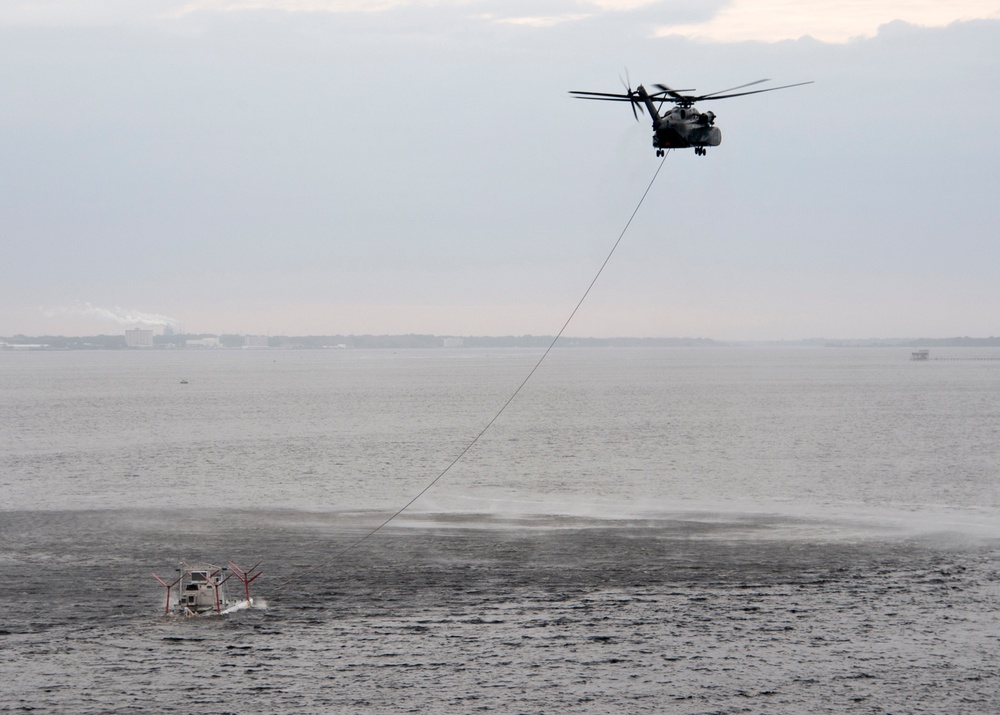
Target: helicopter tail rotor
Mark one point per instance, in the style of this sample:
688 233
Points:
633 96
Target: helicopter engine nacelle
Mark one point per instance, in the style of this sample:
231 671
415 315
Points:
708 118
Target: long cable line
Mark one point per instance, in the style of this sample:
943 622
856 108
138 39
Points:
524 382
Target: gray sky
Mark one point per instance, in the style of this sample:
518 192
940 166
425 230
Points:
323 166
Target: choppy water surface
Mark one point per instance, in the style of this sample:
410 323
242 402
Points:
728 530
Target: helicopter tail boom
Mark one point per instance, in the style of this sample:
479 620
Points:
647 102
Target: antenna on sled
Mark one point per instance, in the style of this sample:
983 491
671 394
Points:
168 586
245 576
217 584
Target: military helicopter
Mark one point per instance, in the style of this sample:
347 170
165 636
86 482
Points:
681 126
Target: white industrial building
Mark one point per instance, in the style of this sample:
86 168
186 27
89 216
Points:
139 338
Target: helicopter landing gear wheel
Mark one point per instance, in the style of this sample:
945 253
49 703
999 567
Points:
700 151
659 152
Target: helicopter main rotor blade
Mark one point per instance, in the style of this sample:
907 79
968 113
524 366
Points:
631 98
671 91
610 99
598 95
621 97
674 93
733 89
756 91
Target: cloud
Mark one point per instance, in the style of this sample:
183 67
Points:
538 13
538 21
833 21
337 6
328 6
623 5
120 316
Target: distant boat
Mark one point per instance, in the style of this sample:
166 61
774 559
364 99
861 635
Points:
184 382
920 355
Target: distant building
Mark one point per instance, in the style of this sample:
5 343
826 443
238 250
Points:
22 346
139 338
202 343
255 341
454 342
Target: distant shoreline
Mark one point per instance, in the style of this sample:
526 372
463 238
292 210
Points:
424 341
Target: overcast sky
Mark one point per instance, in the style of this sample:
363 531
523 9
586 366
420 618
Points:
395 166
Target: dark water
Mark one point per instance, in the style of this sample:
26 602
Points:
649 531
475 615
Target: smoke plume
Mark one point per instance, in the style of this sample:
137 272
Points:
118 315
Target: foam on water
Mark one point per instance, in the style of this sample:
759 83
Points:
775 520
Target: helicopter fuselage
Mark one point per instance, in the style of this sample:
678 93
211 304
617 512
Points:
681 127
684 127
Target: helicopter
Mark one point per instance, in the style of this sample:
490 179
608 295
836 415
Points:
682 126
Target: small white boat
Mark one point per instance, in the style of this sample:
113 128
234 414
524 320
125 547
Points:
201 590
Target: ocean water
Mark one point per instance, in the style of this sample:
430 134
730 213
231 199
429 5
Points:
642 530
